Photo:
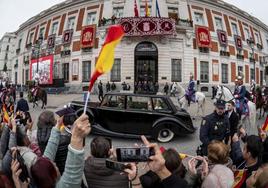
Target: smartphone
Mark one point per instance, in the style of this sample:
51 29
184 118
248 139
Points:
24 174
135 154
118 166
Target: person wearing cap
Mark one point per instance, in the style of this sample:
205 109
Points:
215 126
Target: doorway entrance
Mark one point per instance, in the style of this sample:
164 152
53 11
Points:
146 67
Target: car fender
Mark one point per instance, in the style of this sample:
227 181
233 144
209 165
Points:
89 112
174 120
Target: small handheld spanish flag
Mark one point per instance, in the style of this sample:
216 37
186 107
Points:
5 114
240 177
265 125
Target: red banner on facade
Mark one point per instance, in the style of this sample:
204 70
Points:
44 68
203 37
51 41
147 26
88 35
238 42
67 36
222 36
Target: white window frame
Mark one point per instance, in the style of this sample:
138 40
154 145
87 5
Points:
215 23
113 77
30 40
142 10
208 75
67 22
226 81
178 63
43 32
51 30
247 33
204 20
238 33
96 17
118 8
257 37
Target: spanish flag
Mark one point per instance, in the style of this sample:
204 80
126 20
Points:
265 125
5 114
106 57
147 11
240 177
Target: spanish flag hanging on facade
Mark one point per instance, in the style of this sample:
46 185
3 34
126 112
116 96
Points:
147 11
265 125
240 177
106 57
5 114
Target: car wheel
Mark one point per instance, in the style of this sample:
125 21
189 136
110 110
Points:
164 134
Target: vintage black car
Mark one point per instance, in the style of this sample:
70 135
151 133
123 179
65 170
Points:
130 115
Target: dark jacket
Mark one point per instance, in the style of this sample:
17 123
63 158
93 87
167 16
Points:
151 180
43 135
216 127
237 157
98 176
22 105
174 182
233 120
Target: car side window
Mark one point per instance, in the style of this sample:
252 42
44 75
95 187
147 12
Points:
160 105
114 101
139 103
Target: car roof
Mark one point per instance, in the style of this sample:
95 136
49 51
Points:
135 94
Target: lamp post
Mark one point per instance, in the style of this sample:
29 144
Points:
251 43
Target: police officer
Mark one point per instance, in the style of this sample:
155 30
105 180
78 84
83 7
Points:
215 126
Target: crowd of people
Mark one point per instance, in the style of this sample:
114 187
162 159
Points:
50 156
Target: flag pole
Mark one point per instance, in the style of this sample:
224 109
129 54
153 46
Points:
86 102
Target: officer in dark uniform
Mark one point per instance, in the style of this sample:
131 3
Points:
215 126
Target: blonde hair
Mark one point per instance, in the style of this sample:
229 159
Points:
218 152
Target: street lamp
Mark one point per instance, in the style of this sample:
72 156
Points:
251 44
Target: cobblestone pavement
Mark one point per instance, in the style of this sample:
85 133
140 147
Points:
186 144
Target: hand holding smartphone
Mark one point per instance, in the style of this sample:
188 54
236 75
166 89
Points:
118 166
24 174
134 154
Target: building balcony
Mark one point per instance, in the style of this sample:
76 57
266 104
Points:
239 56
65 53
224 53
180 23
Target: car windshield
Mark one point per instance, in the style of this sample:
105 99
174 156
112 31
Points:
139 103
